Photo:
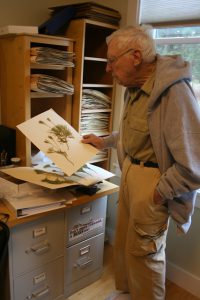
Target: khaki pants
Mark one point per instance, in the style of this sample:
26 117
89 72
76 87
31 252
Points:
139 250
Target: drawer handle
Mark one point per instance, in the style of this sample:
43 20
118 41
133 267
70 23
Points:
39 249
84 250
39 294
86 264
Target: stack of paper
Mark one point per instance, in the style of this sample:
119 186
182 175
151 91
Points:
50 84
93 99
50 176
97 123
100 155
90 10
46 55
69 167
38 202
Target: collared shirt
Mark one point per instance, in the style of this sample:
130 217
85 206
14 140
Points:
136 136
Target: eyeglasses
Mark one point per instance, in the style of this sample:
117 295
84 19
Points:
112 60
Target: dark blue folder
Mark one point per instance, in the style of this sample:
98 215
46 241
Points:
59 20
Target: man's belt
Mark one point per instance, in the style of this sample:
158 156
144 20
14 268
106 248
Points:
148 164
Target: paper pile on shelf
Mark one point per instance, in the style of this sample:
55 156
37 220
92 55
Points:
103 154
46 55
50 84
89 10
97 123
93 99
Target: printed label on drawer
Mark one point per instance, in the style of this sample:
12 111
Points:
38 278
39 231
79 229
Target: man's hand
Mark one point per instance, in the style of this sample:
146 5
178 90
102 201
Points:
94 140
157 199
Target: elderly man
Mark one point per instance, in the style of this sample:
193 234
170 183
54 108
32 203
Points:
158 151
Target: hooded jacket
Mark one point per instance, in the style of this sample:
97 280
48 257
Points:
174 125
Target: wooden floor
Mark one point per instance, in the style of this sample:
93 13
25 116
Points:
100 289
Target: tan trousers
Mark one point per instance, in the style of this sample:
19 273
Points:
139 250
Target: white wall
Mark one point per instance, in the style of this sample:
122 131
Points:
183 256
27 12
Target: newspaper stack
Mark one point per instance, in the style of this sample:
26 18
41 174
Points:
45 55
45 83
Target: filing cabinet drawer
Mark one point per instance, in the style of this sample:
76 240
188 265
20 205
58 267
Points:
84 258
45 283
86 220
37 242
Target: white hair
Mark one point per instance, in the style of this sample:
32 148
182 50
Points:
136 37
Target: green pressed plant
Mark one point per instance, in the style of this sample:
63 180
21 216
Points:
58 136
54 178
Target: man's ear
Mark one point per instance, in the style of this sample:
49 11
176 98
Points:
137 57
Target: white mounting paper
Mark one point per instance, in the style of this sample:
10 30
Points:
58 140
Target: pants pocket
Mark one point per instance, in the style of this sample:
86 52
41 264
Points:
148 239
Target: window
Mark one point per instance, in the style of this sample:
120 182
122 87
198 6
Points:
184 41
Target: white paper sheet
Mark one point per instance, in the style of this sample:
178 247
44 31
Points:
58 140
53 178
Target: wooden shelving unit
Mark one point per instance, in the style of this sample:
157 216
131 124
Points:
18 103
90 72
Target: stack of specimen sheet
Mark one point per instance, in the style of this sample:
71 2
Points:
63 146
45 83
67 166
101 155
97 123
46 55
93 99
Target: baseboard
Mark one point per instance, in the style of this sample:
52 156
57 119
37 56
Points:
184 279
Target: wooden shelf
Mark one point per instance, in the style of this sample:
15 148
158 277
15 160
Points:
95 59
96 85
17 100
46 66
91 111
45 95
90 71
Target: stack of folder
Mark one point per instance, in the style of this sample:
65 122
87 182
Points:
98 123
62 15
92 10
93 99
46 55
50 84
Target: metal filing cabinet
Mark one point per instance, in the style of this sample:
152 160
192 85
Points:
85 244
36 264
